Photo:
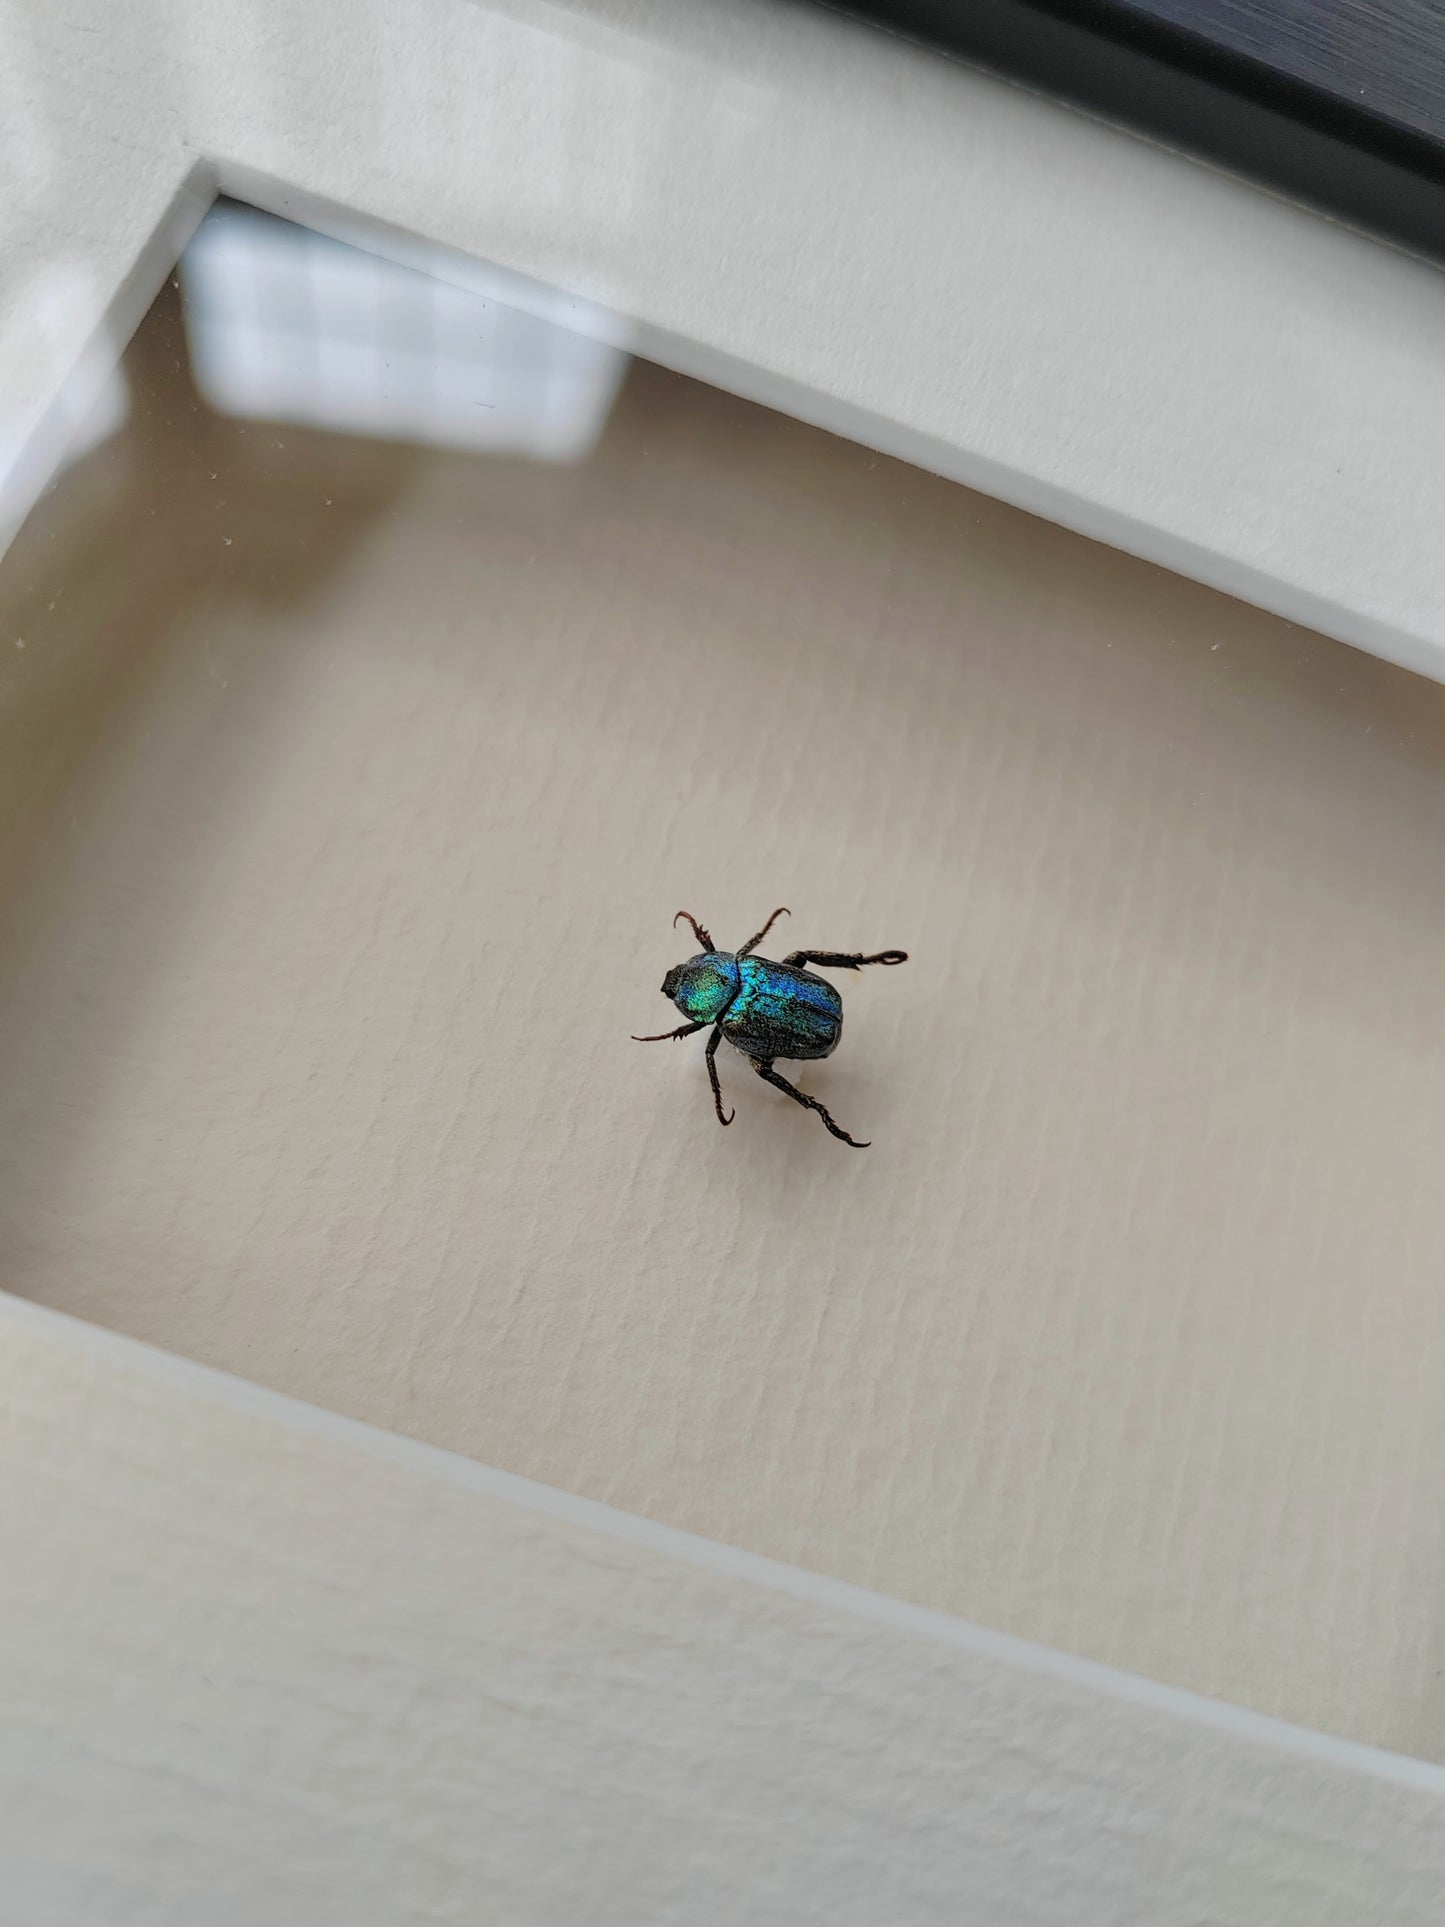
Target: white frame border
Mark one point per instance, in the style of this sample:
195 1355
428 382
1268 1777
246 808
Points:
885 243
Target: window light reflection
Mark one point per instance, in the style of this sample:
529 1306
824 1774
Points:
287 325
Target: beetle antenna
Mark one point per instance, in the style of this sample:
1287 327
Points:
704 937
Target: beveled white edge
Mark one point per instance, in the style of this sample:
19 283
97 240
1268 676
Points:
893 246
210 1386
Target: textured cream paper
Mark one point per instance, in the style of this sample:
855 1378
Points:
348 794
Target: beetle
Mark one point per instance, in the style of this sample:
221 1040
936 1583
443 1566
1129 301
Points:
764 1009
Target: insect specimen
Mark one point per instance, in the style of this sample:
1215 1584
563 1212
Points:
764 1009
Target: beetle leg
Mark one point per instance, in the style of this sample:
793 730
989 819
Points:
663 1036
704 937
711 1055
843 960
752 943
770 1076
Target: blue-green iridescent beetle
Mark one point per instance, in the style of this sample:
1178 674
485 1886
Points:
766 1010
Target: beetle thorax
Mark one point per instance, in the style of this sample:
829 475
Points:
703 987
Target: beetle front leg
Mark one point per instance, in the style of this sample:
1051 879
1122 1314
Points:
752 943
666 1036
711 1054
843 959
703 935
770 1076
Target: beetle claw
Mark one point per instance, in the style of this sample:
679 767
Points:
703 936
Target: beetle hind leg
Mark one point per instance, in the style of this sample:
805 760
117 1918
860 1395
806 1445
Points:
843 959
770 1076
